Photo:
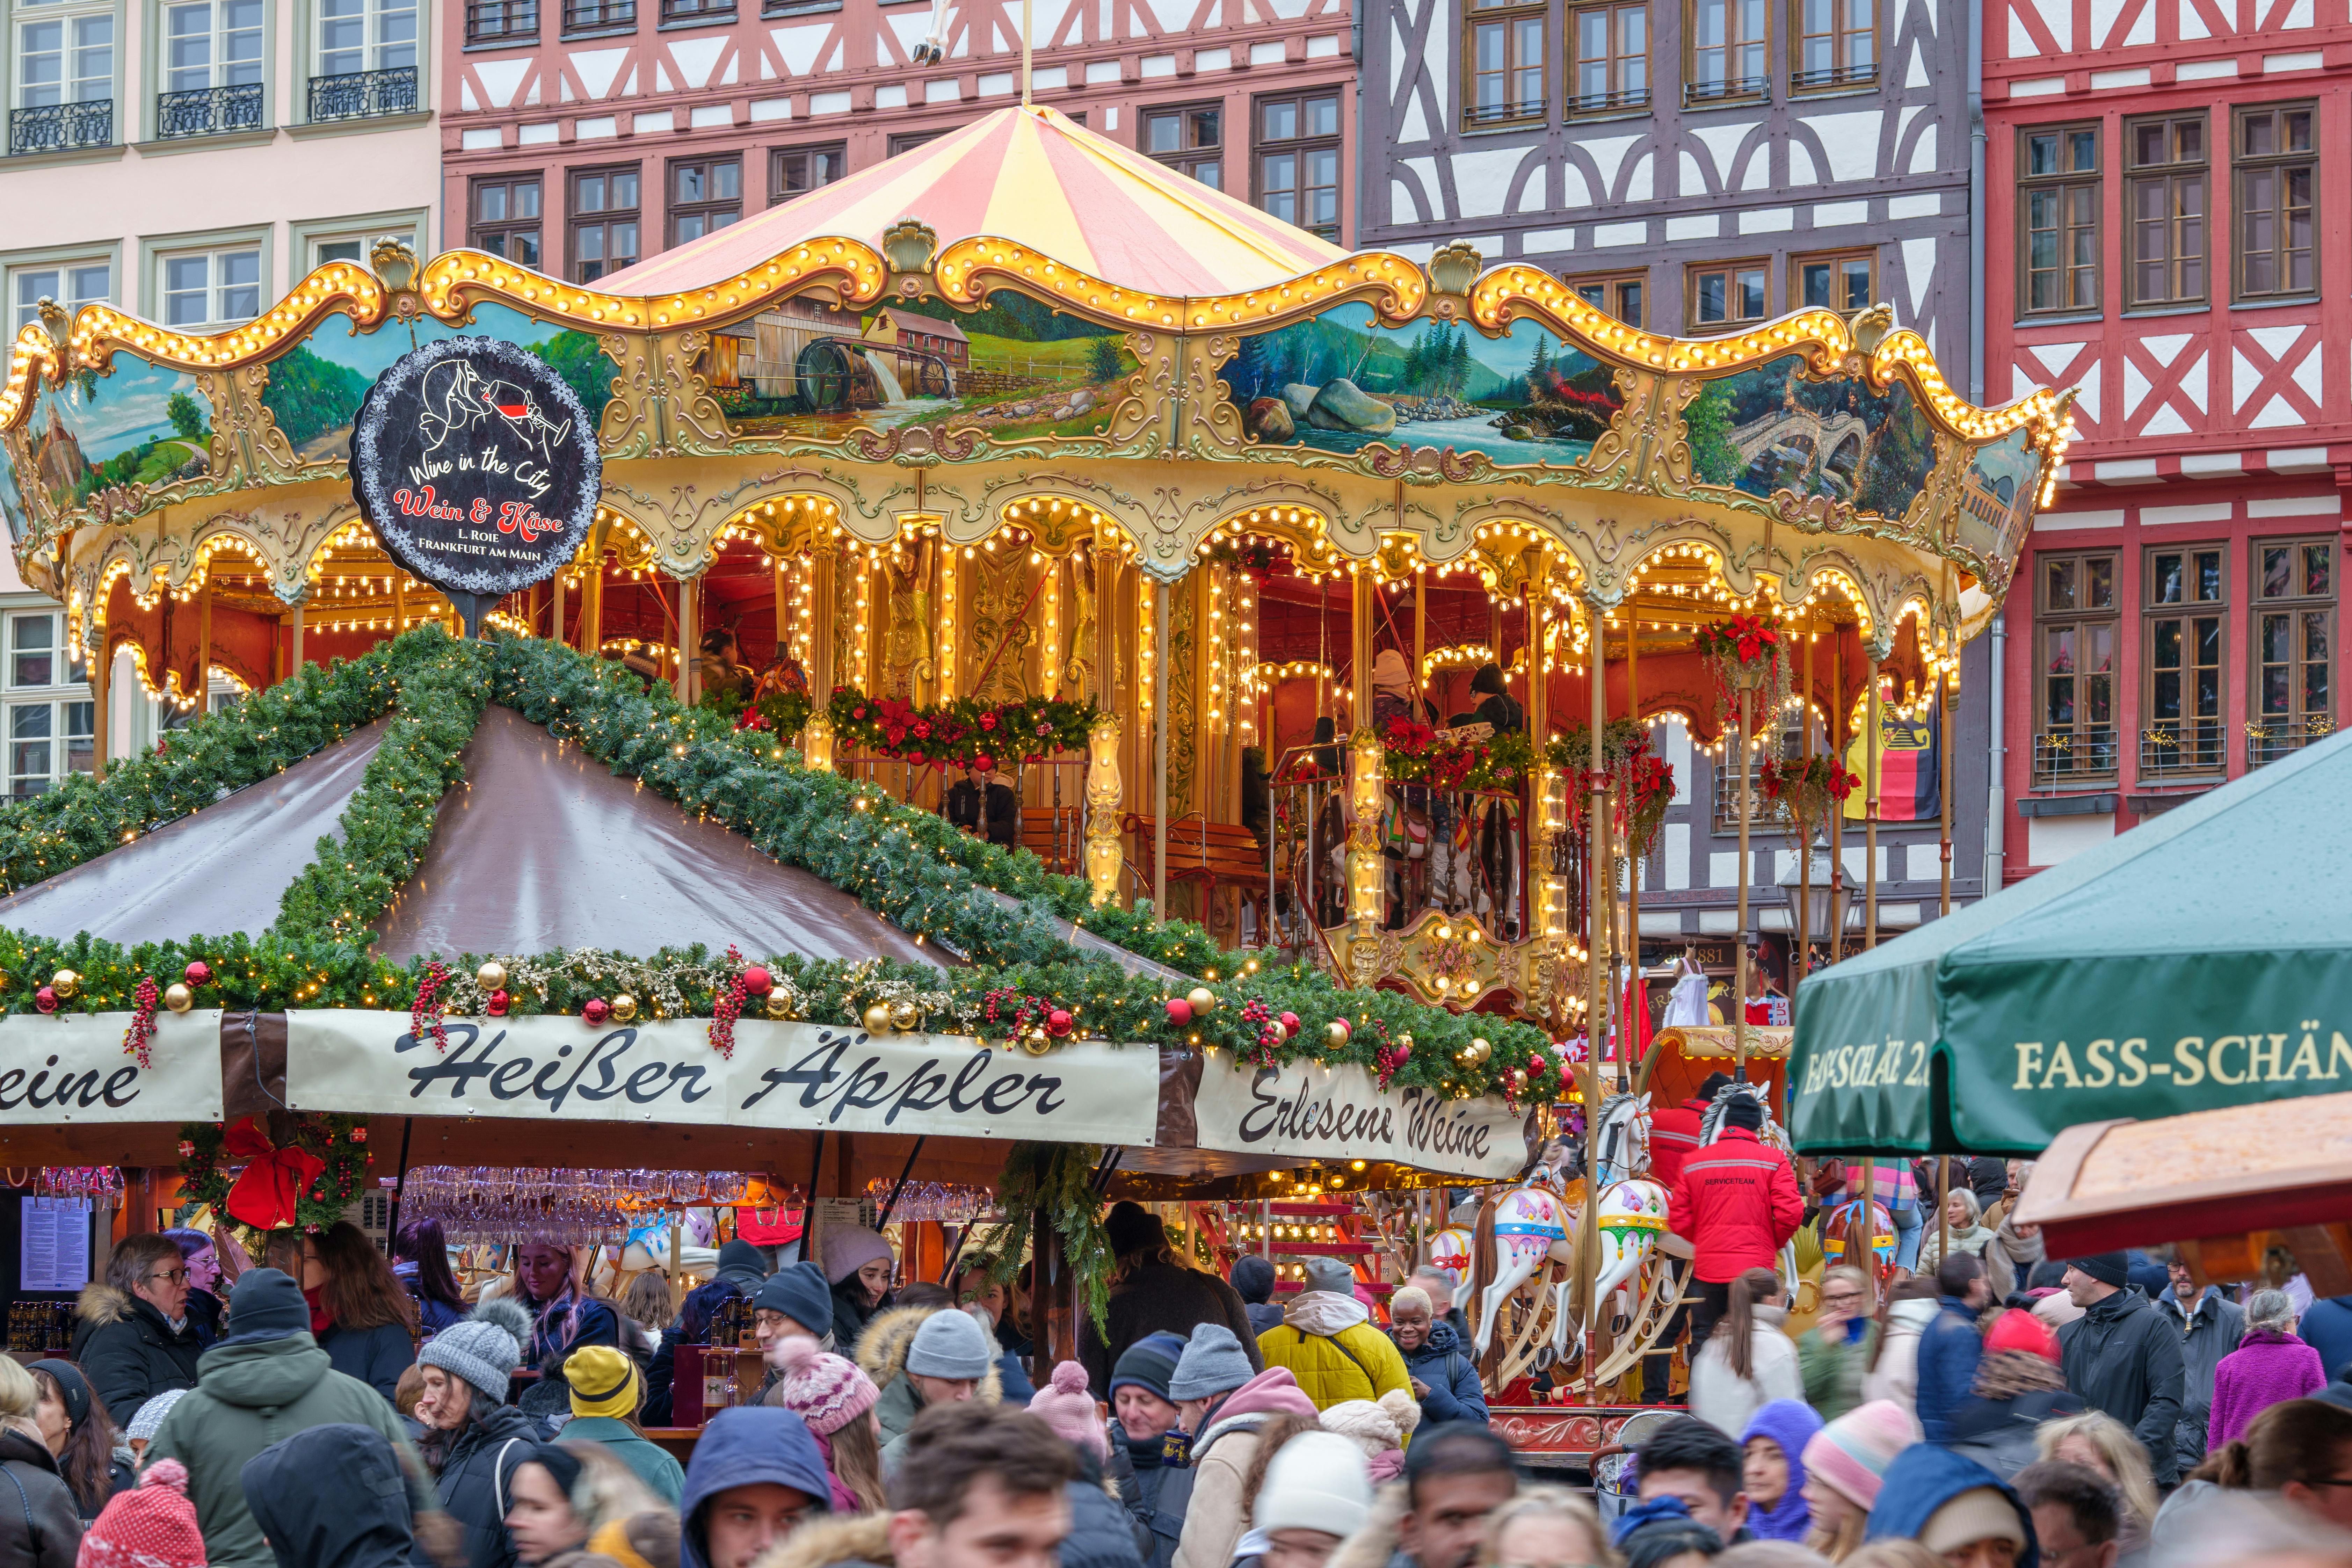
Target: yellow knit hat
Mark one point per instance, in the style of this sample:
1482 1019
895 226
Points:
603 1382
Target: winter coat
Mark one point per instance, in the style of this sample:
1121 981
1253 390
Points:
1833 1366
251 1394
2266 1368
1450 1375
376 1357
1737 1203
748 1447
1154 1296
2010 1258
1155 1510
1922 1480
664 1476
850 1312
1263 1315
1728 1402
1673 1139
2016 1392
2208 1334
2326 1327
2122 1358
332 1496
862 1542
1101 1532
1896 1375
41 1528
476 1481
554 1335
432 1316
882 1356
695 1315
1974 1241
1949 1348
1215 1518
1329 1343
128 1351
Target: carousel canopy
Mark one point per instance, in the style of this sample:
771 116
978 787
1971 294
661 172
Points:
2152 977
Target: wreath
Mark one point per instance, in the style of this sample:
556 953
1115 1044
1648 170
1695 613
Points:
307 1181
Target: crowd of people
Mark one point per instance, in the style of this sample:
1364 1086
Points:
334 1408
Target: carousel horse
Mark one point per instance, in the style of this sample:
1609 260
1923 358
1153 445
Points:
1631 1209
1450 1249
1844 1238
1772 1135
1519 1232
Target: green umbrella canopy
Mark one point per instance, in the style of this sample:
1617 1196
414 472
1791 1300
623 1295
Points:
2203 959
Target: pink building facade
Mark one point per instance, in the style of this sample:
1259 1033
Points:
582 135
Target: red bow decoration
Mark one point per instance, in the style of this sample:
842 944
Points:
274 1178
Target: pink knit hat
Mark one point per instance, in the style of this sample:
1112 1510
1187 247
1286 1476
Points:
1066 1405
1851 1454
151 1526
824 1390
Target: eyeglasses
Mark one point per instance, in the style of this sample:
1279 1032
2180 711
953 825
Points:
175 1276
1841 1299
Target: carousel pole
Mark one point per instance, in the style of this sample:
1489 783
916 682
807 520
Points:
1106 791
1801 914
399 600
555 622
1837 758
1602 885
1747 875
1366 875
298 639
1870 817
1637 992
1944 785
1159 677
1419 629
825 596
205 645
686 639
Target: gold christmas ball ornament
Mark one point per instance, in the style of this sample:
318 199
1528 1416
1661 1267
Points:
492 976
877 1018
1035 1043
1201 998
178 997
624 1008
1480 1050
780 1005
1336 1031
66 984
905 1017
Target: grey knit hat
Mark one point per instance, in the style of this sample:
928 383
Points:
950 1343
149 1418
1330 1274
1214 1363
483 1348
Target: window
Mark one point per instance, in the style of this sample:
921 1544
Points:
1299 160
212 288
82 732
212 69
32 651
1836 44
2186 596
1725 50
697 10
506 218
1620 296
2165 190
357 36
1609 64
2276 166
797 170
2295 646
1506 62
705 194
500 21
908 141
1728 294
1845 283
604 221
353 247
2074 633
596 16
65 58
2058 219
30 728
72 285
1190 141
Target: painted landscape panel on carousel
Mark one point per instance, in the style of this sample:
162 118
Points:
1770 427
142 424
1014 368
2003 477
315 389
1340 382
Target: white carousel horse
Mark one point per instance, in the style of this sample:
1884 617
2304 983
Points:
1450 1249
1772 1135
1631 1210
1532 1225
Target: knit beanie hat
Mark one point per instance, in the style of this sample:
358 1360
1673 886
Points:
482 1349
824 1390
2021 1331
1330 1274
1980 1513
846 1251
1316 1481
1065 1405
1377 1428
149 1418
951 1344
266 1304
605 1382
151 1526
1132 1228
1744 1113
1149 1363
1214 1363
1852 1453
799 1293
1253 1276
2106 1267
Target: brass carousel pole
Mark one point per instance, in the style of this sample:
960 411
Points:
1801 916
1637 992
1747 875
1600 884
1837 756
204 646
1870 816
1160 676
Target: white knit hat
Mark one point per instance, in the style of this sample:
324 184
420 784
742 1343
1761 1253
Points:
1378 1427
1316 1481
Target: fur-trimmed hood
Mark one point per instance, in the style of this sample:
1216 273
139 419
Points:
103 1303
890 1335
823 1543
1375 1543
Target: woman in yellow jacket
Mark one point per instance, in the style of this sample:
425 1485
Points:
1329 1342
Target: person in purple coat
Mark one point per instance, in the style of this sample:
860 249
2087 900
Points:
2268 1366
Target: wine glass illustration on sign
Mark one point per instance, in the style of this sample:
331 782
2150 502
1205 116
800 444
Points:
457 398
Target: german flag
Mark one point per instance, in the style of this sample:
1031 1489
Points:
1909 767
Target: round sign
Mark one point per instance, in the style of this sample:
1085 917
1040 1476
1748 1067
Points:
476 465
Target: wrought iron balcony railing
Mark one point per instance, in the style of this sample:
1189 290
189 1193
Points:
595 16
363 95
2268 739
1729 90
2181 751
1623 102
60 126
1831 77
2061 757
207 111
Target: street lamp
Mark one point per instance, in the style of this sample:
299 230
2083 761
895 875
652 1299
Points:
1822 886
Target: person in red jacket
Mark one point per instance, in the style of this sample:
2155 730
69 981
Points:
1674 1131
1736 1204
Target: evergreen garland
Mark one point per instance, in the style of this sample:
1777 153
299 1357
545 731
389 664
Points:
1058 1180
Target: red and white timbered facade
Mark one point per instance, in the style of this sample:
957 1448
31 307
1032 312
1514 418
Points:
2167 186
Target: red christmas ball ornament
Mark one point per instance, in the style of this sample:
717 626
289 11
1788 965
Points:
198 973
358 1134
758 982
1290 1023
499 1001
187 1149
46 999
1058 1022
1180 1010
1403 1053
597 1010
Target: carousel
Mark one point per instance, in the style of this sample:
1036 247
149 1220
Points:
1274 634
